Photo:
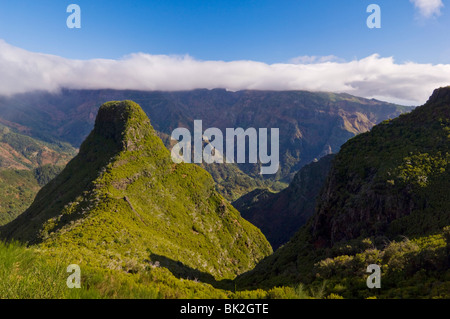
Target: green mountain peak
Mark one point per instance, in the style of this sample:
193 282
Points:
123 122
122 203
440 95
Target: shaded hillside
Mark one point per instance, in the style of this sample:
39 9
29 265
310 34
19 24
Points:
280 215
122 203
17 191
401 173
384 187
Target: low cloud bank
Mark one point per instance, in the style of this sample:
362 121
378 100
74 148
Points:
372 77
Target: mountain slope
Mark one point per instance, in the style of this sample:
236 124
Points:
384 185
280 215
26 164
19 151
123 204
402 174
17 191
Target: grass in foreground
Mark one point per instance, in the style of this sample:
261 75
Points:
31 273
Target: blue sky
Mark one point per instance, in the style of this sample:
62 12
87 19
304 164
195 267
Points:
321 45
260 30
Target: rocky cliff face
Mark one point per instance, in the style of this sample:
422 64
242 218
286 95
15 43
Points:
394 173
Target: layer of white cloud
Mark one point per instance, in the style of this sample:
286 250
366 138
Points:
428 8
371 77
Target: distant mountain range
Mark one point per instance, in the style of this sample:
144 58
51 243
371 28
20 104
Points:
311 124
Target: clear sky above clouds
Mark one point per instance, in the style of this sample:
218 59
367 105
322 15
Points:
293 41
263 30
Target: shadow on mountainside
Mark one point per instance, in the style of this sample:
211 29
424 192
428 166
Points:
182 271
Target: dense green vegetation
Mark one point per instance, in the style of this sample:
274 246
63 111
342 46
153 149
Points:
19 187
44 174
232 183
111 210
412 268
416 267
17 191
390 207
36 273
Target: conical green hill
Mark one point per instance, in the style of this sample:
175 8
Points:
122 203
